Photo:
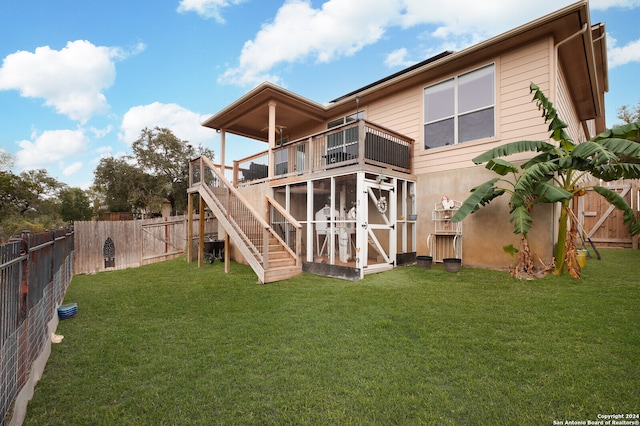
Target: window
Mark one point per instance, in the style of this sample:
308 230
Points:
343 145
460 109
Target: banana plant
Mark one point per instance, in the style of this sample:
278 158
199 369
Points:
557 173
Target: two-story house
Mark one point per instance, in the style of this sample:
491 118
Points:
352 186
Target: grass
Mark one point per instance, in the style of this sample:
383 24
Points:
173 344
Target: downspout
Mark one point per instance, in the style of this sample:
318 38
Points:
561 42
605 81
558 210
556 60
585 128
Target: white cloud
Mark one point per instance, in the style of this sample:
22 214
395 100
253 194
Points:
71 169
185 124
101 133
71 80
339 28
398 58
206 8
343 27
50 147
622 55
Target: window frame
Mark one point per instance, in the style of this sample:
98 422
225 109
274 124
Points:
344 140
456 114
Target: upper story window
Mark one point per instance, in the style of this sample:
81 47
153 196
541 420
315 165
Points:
460 109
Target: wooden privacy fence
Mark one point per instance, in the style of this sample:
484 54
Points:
111 245
36 271
601 221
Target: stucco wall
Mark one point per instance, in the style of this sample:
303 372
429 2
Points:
485 232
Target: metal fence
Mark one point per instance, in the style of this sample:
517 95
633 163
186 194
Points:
35 273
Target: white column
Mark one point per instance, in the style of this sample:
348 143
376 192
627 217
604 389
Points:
361 218
272 137
310 225
223 144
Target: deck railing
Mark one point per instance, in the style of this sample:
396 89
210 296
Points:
251 169
285 227
360 142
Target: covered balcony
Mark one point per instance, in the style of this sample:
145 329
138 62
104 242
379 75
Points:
305 138
354 146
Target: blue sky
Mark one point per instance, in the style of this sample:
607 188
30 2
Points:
80 79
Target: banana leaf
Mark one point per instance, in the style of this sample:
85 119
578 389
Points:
480 196
628 216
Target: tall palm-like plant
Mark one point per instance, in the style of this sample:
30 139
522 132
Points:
557 174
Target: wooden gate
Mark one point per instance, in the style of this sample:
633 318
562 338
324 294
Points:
602 222
162 239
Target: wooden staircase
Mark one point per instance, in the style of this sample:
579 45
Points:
265 251
281 264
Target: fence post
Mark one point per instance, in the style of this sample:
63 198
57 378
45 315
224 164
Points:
23 341
24 285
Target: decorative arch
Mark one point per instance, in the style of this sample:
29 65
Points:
109 253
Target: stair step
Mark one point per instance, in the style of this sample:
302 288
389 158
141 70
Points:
278 274
279 254
280 263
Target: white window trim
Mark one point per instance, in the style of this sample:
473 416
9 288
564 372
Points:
456 113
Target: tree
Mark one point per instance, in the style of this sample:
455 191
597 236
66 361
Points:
165 157
28 201
75 205
157 171
116 180
162 155
6 161
556 175
629 114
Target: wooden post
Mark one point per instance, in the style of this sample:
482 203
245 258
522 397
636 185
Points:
227 256
190 228
201 235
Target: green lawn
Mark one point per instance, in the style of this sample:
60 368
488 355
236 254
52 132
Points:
174 344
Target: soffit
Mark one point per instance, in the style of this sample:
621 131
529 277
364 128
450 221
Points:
249 115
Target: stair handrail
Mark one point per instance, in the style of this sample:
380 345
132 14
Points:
262 255
290 219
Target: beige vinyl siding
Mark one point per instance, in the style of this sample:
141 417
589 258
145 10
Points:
566 110
401 112
517 117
